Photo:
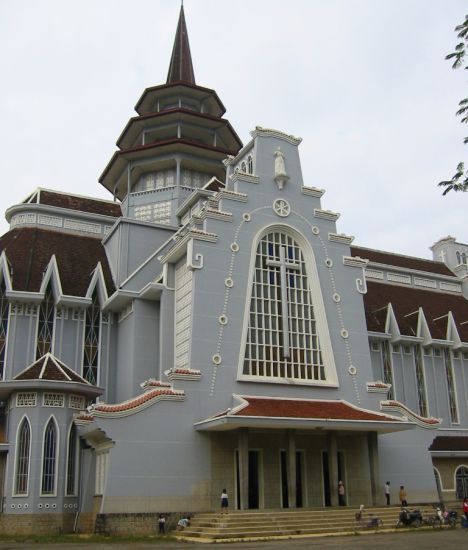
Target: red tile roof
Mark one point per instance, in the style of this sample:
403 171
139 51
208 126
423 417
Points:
137 401
307 409
49 367
82 204
399 260
29 251
406 301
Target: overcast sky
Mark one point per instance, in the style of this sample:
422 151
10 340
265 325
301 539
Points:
363 82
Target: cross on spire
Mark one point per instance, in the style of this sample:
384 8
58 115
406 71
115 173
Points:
180 67
284 264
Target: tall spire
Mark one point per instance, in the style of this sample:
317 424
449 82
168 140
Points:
180 68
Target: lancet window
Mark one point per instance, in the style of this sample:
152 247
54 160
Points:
72 461
4 316
387 371
23 450
282 339
452 395
92 340
420 381
49 459
45 327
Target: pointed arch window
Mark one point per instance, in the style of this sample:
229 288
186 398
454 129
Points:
92 341
420 381
49 459
72 462
458 257
282 339
45 327
23 450
250 164
4 316
387 370
451 388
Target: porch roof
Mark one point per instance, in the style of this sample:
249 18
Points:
304 414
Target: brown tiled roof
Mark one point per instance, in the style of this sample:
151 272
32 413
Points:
137 401
29 251
406 302
399 260
49 367
308 409
449 443
83 204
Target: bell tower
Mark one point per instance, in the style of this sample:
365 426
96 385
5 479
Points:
174 145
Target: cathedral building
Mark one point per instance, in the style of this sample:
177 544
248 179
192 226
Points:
209 327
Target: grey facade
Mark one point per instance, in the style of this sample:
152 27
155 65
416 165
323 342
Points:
211 328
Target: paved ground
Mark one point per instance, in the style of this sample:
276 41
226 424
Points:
405 540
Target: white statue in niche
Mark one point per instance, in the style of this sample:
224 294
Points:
280 169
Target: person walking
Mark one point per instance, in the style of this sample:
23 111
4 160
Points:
387 492
341 494
402 496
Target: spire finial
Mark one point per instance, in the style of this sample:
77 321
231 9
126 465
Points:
180 67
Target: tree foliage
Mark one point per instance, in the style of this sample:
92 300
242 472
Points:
459 181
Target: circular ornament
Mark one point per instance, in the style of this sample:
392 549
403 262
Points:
19 506
223 319
229 282
39 505
234 247
315 230
336 297
26 505
246 217
282 208
13 505
216 359
329 262
352 370
46 505
54 505
344 333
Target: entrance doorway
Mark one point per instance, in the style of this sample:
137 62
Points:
299 480
333 486
253 496
461 478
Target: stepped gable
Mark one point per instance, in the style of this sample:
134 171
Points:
406 303
75 202
49 367
308 409
30 249
399 260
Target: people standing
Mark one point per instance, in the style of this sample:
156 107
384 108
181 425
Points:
387 492
224 501
162 524
402 496
341 494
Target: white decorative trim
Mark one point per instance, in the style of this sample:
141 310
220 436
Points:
23 219
183 374
270 132
242 176
234 247
223 319
157 395
246 217
352 370
378 387
355 261
315 230
374 274
329 262
428 423
336 297
451 287
229 282
312 191
52 221
344 333
426 283
198 257
399 278
282 208
232 195
216 359
82 226
340 238
214 214
26 399
326 214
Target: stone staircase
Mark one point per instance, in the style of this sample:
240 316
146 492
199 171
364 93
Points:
266 524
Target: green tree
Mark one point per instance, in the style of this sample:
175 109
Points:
459 181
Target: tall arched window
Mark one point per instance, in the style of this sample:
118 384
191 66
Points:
23 450
461 481
250 164
4 313
282 341
72 461
45 327
91 341
49 459
463 258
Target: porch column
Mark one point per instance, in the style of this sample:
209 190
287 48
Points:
373 449
332 448
292 468
244 468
